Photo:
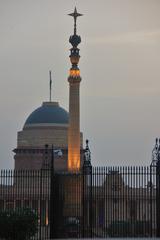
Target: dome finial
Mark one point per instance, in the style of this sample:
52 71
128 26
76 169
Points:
50 86
75 14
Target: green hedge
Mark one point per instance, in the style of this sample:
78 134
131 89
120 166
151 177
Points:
120 229
19 224
129 229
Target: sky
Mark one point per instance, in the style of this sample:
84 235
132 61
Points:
120 69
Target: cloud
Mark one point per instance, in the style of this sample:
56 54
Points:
140 37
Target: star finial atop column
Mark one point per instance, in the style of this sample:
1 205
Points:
75 14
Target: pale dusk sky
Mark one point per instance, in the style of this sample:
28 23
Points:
120 69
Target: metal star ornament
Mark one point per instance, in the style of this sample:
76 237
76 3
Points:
75 14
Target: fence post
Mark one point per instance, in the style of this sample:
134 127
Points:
158 192
151 201
87 193
52 190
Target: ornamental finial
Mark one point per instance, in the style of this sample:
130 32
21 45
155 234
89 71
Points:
75 14
50 86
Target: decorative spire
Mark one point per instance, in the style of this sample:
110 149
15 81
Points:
50 86
74 79
87 152
75 41
87 158
156 152
75 14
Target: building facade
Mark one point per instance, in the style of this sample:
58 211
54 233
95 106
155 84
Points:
47 125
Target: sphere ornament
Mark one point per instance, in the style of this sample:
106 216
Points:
75 40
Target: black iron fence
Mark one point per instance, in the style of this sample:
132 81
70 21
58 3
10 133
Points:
95 202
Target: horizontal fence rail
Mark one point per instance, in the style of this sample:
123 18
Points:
95 202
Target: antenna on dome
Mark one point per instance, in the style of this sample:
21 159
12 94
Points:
50 86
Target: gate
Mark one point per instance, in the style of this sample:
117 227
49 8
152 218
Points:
124 202
106 202
94 202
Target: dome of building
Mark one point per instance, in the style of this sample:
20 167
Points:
48 113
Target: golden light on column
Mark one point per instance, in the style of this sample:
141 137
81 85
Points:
74 80
74 73
74 124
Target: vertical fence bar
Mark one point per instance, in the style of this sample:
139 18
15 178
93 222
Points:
158 198
151 200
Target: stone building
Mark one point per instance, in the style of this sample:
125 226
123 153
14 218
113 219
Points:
47 125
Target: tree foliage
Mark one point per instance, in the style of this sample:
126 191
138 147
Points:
18 224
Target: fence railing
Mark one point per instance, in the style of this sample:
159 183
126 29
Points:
95 202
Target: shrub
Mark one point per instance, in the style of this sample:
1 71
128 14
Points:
18 224
142 228
120 229
129 229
